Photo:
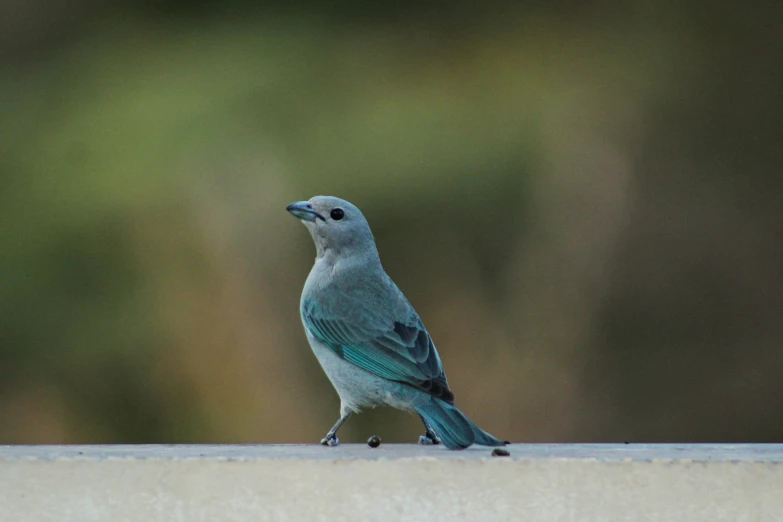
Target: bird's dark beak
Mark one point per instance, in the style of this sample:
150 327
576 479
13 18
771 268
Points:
304 211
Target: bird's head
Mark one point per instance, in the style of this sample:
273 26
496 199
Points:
337 226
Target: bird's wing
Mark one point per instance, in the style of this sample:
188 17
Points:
400 351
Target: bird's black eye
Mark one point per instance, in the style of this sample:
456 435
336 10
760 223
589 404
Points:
337 214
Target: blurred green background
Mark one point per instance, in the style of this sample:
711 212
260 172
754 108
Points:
581 199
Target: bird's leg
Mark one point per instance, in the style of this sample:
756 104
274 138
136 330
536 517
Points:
428 438
331 437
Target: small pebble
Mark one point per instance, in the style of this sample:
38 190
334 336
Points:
500 452
374 441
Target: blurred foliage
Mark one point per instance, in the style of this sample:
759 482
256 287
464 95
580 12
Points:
581 199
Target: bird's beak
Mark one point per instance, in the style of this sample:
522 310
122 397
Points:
304 211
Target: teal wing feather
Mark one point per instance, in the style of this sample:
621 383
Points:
400 351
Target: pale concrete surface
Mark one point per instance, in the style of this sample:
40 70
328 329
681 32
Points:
539 482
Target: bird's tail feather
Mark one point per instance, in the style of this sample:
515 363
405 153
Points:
453 427
485 439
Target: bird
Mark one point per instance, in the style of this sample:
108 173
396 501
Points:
368 338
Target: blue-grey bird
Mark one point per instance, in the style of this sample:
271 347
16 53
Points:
367 336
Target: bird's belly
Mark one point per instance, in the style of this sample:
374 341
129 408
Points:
356 387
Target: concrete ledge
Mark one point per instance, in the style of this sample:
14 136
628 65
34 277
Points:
394 482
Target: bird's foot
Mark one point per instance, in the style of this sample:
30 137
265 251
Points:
330 440
428 440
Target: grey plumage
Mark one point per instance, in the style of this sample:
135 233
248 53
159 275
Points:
369 340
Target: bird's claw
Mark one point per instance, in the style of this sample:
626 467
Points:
426 440
330 440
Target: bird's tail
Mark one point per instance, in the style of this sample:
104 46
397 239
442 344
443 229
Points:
453 427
